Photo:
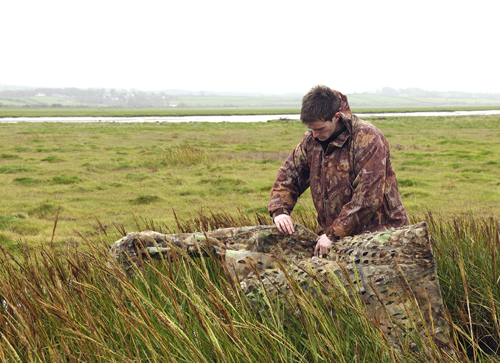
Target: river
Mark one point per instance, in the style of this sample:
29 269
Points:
235 118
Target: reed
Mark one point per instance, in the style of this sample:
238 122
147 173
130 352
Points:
76 304
466 249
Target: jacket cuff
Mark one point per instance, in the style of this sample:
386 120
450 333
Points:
330 233
279 211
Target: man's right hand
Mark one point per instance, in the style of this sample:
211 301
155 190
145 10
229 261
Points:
284 223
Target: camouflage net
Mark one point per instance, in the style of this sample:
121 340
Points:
393 271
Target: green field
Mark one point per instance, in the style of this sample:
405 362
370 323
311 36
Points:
111 170
133 112
100 179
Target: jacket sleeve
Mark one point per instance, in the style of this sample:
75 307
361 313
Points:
370 158
292 180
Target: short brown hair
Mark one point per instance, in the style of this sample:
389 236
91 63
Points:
320 103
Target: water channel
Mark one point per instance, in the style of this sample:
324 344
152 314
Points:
235 118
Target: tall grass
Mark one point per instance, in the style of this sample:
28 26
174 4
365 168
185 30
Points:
69 305
466 249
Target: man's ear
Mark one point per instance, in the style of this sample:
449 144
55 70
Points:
336 118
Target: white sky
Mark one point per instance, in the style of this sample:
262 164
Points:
251 46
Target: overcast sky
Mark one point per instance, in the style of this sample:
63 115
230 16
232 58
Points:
251 46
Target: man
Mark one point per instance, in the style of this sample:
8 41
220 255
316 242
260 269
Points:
346 163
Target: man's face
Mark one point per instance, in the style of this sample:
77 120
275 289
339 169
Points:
322 130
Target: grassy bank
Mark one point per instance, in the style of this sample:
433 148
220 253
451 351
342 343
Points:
131 112
99 180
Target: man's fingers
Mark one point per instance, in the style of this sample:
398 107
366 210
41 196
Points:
323 246
284 223
287 228
278 225
284 228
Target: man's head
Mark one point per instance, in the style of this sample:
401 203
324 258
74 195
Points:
319 104
320 112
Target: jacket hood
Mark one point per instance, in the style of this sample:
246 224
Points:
346 115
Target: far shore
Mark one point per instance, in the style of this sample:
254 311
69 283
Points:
144 112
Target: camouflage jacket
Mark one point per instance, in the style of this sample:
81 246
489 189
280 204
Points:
353 184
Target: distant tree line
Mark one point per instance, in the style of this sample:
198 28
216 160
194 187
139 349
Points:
97 96
172 98
418 92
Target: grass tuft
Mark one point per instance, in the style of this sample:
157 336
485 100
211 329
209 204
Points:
44 210
27 181
410 183
270 161
146 199
53 159
136 177
18 224
66 180
222 181
9 156
183 155
15 168
4 239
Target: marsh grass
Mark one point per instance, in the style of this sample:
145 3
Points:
71 304
467 250
444 164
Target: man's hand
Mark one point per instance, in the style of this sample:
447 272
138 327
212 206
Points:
284 223
322 246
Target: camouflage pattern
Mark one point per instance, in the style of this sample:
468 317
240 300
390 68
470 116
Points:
393 270
353 184
136 246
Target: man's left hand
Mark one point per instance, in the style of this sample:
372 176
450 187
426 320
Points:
323 246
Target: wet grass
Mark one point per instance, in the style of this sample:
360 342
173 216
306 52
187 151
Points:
69 302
